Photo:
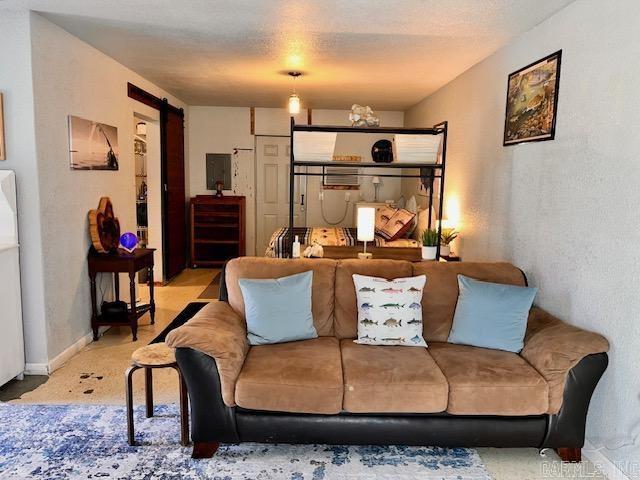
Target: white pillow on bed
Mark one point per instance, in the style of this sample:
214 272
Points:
422 220
412 206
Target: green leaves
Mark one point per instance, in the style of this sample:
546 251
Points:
430 238
448 235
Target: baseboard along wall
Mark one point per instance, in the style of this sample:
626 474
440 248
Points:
63 357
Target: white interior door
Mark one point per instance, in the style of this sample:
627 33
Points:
272 190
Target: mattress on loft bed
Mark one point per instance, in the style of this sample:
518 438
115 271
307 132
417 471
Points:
328 236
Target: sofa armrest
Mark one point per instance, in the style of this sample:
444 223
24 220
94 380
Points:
554 347
220 332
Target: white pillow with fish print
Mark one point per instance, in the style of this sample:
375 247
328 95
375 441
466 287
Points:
389 311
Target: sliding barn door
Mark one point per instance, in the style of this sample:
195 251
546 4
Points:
173 183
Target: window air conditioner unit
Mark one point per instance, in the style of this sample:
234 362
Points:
340 176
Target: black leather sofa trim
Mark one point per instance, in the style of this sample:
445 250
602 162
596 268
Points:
213 421
566 428
223 293
428 430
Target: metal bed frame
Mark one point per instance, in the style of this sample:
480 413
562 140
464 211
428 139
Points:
428 171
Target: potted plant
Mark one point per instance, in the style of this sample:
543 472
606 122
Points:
429 244
447 236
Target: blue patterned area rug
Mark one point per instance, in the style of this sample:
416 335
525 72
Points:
86 441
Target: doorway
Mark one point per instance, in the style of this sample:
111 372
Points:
172 180
148 192
272 189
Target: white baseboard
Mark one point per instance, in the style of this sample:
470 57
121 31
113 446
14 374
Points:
62 358
36 369
602 463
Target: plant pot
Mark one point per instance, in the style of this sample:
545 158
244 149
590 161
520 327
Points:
445 250
429 253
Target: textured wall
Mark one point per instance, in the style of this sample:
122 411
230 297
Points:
566 211
17 88
72 78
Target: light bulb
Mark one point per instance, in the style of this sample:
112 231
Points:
294 104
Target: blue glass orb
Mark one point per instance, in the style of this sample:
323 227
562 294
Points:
129 241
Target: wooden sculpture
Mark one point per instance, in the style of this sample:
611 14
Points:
104 227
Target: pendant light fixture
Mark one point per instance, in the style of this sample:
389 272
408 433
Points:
294 99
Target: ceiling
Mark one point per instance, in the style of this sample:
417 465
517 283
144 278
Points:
386 53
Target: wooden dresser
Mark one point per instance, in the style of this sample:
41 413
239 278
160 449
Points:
217 229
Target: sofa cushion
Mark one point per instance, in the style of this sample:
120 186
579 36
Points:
300 377
258 267
441 291
391 379
346 312
490 382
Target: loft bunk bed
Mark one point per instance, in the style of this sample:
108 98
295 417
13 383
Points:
428 172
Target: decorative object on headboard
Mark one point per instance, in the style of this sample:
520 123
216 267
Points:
313 251
3 155
447 236
532 101
363 116
382 151
430 240
104 227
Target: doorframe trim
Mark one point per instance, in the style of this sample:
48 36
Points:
142 96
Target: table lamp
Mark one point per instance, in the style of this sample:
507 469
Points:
366 229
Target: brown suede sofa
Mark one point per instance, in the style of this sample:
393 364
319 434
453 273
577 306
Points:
331 390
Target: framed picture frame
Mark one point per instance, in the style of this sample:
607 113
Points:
532 101
3 154
92 145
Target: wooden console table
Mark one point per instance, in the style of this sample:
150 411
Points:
121 262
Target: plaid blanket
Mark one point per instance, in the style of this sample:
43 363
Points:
326 236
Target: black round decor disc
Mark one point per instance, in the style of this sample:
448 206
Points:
382 151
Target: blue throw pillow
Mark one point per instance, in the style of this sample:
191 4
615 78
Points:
278 309
491 315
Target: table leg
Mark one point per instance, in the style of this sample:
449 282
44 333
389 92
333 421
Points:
184 410
94 306
116 285
148 390
152 301
128 376
134 311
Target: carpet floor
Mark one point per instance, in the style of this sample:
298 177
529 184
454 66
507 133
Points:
88 441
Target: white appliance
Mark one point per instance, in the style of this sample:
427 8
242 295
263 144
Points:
11 337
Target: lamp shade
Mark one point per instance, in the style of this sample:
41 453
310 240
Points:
366 223
294 104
